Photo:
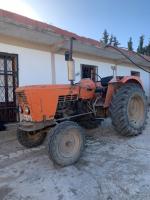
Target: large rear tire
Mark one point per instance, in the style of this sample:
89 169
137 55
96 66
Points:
129 110
66 143
30 139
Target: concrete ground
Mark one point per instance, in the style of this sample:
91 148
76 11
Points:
111 168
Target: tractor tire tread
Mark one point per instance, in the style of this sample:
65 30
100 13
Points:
52 142
118 110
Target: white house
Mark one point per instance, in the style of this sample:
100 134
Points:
32 52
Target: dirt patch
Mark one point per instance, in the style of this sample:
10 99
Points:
111 167
4 191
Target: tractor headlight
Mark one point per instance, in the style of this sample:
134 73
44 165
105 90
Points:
27 110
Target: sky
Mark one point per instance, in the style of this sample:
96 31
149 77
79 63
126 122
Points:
123 18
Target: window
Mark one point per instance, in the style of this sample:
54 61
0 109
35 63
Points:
135 73
89 71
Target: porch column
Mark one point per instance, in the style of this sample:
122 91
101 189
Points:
53 72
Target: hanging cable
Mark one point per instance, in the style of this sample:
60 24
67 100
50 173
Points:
141 56
127 57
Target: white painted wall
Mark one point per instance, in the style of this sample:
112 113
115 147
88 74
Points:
104 69
34 65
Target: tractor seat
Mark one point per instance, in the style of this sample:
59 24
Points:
105 80
100 90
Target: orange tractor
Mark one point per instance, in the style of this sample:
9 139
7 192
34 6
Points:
65 109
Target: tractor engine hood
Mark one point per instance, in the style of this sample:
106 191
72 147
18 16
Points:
40 102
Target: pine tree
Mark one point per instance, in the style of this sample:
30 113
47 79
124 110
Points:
140 48
116 42
147 49
105 38
111 39
130 44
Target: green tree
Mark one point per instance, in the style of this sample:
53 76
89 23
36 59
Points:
147 49
105 37
111 39
140 48
116 42
130 44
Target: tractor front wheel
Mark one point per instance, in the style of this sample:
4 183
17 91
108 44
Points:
30 139
66 143
129 110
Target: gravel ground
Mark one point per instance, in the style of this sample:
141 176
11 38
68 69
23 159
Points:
111 168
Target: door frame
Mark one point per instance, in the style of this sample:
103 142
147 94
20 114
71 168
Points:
4 56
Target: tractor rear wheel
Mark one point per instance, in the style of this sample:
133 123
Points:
30 139
66 143
129 110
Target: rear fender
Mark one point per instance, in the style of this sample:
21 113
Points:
110 91
113 86
132 79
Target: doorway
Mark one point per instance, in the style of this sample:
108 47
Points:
8 85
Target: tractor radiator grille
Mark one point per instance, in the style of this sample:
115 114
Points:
21 97
68 98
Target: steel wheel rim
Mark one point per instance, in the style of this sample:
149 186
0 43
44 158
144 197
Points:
70 143
136 110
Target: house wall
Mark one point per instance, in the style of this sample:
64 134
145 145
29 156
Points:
104 69
34 65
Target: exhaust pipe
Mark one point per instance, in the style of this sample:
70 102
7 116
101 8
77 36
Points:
70 63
